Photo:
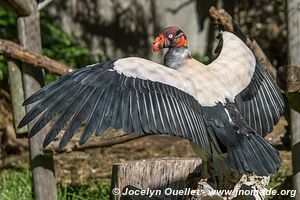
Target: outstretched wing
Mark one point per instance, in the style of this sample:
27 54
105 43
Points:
248 84
102 97
144 97
261 103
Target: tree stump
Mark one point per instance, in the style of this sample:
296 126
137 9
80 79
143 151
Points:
154 174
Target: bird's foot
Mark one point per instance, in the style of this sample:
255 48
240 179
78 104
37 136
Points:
253 184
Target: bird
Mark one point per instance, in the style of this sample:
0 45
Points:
224 108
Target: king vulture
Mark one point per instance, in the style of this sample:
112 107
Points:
225 107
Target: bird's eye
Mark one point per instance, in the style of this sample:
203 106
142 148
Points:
170 36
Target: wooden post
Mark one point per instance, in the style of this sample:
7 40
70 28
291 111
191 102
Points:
44 185
293 11
17 94
159 173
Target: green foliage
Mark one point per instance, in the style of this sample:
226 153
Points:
17 184
278 179
56 44
3 68
97 189
7 31
59 46
8 24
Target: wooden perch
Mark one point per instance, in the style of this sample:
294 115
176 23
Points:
21 7
158 174
222 18
20 53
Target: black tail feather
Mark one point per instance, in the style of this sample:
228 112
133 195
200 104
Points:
254 154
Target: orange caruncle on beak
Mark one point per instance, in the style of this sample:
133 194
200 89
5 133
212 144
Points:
158 43
182 42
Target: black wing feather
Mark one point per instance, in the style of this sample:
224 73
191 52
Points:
93 119
67 114
104 98
261 102
78 118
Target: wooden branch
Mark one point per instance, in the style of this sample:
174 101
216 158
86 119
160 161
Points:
20 53
289 78
43 4
222 18
21 7
109 143
110 138
293 78
5 94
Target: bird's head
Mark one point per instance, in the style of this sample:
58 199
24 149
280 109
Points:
169 37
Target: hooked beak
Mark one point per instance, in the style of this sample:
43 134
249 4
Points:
158 43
